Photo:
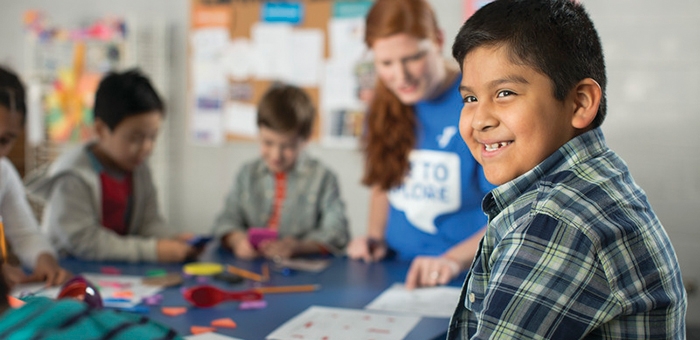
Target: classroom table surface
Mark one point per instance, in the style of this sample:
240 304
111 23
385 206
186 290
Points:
345 283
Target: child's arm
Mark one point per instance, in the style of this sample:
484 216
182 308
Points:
231 221
153 223
73 217
21 227
331 233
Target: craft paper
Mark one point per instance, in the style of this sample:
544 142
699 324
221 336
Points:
437 302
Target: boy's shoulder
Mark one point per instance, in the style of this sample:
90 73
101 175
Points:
595 194
76 156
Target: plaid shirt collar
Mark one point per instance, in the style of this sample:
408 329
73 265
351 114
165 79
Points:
580 149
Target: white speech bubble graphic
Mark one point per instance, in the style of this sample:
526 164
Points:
432 188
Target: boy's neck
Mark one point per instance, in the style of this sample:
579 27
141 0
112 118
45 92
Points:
107 162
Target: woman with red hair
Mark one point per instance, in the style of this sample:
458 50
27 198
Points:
426 188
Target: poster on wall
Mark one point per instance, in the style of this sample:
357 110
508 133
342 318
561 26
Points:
349 76
65 68
209 39
238 49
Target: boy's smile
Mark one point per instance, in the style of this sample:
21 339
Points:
511 120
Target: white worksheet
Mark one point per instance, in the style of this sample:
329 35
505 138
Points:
318 322
439 302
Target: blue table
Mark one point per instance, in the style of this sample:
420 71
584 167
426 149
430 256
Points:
345 283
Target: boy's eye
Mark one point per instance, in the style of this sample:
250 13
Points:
469 99
505 93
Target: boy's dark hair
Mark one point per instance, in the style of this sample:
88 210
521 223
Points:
286 108
12 92
121 95
555 37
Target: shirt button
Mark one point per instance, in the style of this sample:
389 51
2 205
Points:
472 298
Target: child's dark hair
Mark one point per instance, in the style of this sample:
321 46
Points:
121 95
12 92
555 37
286 108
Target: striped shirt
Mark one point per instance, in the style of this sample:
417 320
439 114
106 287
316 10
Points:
46 319
573 250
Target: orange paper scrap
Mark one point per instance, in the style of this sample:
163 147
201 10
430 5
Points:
124 294
14 302
201 329
224 323
173 311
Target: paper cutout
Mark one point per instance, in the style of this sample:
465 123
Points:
173 311
15 302
210 336
123 294
201 329
110 270
224 323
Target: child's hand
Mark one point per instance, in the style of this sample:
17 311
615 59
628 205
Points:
238 242
13 275
279 249
48 270
172 250
184 237
428 271
364 248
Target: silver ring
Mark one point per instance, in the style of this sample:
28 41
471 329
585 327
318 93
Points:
434 275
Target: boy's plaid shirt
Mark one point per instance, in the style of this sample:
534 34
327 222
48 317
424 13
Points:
573 250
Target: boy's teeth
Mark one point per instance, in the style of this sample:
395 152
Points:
495 146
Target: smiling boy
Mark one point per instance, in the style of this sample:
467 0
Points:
573 249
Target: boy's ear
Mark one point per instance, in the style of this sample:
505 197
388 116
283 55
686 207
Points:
587 94
101 128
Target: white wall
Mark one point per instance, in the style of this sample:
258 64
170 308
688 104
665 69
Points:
652 48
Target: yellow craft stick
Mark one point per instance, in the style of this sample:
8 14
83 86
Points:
244 273
3 246
288 289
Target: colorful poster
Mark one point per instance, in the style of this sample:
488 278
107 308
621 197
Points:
68 64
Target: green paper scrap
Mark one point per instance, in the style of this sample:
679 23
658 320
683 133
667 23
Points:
156 273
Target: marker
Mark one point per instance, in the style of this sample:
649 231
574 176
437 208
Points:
288 289
244 273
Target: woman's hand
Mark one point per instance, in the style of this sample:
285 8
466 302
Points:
428 271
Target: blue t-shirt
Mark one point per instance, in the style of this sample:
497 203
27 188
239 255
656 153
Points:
439 203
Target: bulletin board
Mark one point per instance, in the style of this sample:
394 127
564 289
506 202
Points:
239 48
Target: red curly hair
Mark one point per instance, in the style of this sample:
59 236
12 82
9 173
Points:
391 125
